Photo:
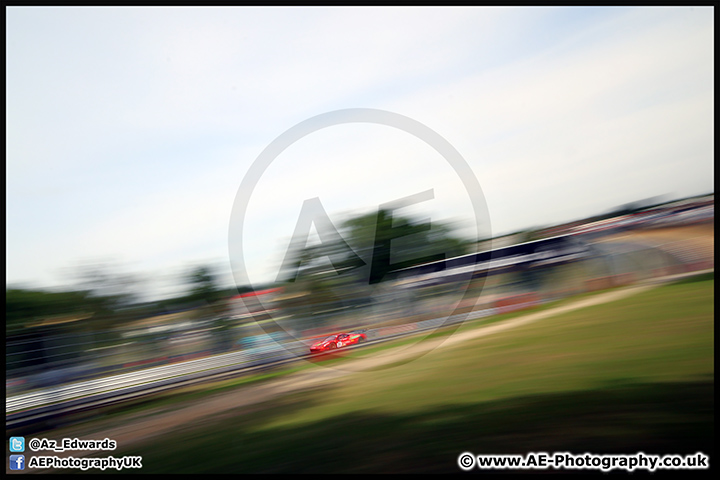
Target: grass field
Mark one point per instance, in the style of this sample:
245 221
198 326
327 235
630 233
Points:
632 375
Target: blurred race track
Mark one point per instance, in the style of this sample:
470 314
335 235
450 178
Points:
33 407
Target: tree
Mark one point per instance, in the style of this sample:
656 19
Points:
204 286
369 247
108 287
24 308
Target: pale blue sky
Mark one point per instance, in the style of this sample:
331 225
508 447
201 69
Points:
129 130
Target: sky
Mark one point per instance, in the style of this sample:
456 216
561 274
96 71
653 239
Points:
131 130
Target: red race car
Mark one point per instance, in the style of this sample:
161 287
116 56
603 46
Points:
338 340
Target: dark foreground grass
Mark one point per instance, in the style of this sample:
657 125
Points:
653 418
632 375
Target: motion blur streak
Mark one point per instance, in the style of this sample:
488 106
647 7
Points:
106 346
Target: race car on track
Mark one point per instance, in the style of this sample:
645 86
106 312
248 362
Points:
338 340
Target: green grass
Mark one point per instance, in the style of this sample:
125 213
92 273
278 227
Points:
450 330
176 398
632 375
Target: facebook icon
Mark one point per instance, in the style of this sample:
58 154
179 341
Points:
17 462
